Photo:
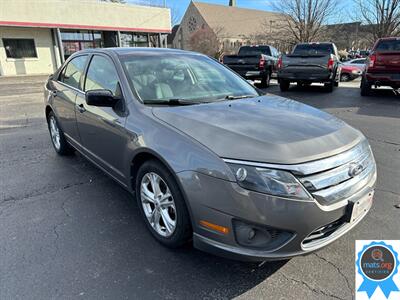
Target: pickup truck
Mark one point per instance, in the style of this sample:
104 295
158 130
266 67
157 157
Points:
382 66
254 62
308 63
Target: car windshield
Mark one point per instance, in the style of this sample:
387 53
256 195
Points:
313 49
185 78
388 45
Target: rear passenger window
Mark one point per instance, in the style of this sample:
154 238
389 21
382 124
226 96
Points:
101 75
73 71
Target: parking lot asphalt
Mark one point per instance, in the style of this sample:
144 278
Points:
68 231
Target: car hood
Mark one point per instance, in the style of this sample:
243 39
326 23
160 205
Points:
267 129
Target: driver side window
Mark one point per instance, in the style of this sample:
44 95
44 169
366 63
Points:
102 75
72 73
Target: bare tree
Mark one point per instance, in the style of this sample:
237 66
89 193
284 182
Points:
206 41
381 17
305 19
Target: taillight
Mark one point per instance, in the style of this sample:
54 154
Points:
330 63
279 66
372 60
261 64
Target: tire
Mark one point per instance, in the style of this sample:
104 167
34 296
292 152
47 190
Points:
58 140
329 86
265 81
344 77
284 85
365 87
172 210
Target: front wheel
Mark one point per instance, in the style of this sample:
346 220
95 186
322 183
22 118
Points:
344 77
162 205
284 85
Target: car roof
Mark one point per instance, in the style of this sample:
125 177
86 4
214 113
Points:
138 51
389 38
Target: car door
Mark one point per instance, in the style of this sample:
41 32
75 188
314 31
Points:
67 86
101 129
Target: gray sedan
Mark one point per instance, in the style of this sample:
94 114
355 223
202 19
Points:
208 157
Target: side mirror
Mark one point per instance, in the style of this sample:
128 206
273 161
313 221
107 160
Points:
102 98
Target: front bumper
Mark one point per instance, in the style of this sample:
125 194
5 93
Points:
222 202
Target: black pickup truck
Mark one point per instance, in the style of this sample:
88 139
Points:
254 62
308 63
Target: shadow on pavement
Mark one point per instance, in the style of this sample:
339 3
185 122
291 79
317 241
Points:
382 101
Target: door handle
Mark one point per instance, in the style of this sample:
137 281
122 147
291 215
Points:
81 108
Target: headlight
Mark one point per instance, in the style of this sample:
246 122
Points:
269 181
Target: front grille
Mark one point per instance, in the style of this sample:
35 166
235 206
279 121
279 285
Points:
323 233
336 181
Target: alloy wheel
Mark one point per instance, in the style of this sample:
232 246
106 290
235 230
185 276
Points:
158 204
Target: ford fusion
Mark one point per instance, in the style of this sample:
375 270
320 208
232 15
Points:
209 158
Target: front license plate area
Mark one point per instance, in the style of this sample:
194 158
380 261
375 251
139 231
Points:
358 208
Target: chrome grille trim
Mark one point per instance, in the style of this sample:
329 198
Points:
334 176
347 188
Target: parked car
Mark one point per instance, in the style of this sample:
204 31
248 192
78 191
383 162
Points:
349 72
358 62
207 156
382 66
308 63
254 62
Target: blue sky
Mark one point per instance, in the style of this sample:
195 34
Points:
180 6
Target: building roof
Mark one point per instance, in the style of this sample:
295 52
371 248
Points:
79 14
234 21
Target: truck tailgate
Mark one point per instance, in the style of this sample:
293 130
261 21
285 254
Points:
242 63
387 62
299 61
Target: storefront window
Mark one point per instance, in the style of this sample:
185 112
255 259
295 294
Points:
129 39
75 40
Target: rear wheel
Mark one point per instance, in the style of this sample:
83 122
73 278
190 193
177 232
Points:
284 85
58 140
365 87
162 205
329 86
265 81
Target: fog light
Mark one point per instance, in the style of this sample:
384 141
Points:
258 236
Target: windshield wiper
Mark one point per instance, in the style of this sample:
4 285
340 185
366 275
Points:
231 97
173 101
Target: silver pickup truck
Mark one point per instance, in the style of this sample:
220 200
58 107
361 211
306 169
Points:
308 63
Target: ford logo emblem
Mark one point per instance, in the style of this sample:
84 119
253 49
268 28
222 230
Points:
355 169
